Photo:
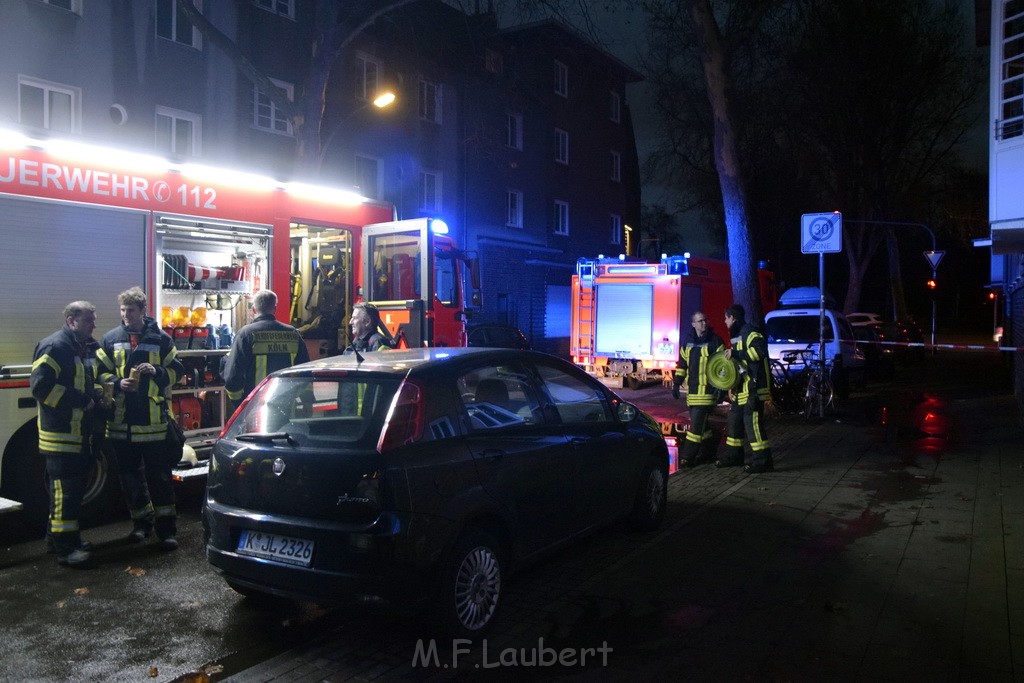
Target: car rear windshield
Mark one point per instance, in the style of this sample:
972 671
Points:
796 329
317 411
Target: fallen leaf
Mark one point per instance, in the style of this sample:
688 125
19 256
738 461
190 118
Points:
135 571
81 591
153 672
213 669
60 604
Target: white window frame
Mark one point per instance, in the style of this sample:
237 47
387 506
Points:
196 41
276 7
562 146
364 88
560 217
430 101
74 6
561 79
430 190
48 87
257 94
358 176
614 106
176 115
616 171
514 208
616 227
514 131
1010 121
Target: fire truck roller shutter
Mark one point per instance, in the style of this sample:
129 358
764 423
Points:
55 253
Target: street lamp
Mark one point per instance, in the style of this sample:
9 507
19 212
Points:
385 99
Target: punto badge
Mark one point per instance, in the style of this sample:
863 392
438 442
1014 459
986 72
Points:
278 467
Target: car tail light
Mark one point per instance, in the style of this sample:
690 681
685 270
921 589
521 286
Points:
404 423
242 405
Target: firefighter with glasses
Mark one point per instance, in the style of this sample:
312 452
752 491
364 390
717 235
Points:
701 398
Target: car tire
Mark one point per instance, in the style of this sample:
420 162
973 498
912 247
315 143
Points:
651 498
470 590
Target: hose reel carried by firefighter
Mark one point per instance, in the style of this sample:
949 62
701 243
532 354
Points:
723 373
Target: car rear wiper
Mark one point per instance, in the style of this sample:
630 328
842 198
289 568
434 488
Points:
267 437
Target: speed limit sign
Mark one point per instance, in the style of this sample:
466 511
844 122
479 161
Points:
821 233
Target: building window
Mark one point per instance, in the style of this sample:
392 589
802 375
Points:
430 191
616 226
430 101
614 106
514 209
616 167
1011 74
493 61
561 79
561 217
514 127
367 178
286 8
70 5
178 133
367 71
561 146
42 104
172 24
266 115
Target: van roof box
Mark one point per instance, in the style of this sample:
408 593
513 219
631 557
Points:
804 297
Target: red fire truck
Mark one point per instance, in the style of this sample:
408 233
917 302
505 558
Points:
628 315
86 222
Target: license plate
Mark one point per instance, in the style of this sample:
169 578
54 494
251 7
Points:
276 548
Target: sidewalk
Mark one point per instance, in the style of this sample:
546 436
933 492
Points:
887 546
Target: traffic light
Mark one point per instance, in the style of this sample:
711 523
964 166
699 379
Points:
932 284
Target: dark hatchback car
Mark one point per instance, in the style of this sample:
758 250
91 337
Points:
423 474
497 336
879 358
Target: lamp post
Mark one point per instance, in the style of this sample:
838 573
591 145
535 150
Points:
385 99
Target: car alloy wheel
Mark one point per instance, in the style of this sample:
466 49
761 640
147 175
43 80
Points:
651 497
472 588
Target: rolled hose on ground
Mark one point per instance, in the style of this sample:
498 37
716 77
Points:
723 373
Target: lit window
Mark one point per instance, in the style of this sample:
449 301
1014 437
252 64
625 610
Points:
172 24
367 71
286 8
616 167
514 209
561 217
266 115
561 146
561 79
430 101
53 106
514 127
430 191
178 133
616 226
367 177
614 106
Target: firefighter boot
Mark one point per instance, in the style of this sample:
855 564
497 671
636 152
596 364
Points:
67 545
708 447
733 456
140 533
762 462
688 455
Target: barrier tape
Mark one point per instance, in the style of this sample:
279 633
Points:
957 347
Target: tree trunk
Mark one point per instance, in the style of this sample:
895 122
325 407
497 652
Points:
734 200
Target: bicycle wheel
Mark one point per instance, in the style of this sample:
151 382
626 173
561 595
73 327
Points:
784 394
811 394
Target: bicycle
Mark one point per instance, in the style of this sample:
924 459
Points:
786 394
819 395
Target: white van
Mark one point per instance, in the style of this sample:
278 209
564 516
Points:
793 329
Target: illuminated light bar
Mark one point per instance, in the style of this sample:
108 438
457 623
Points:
637 269
323 193
438 226
240 178
73 149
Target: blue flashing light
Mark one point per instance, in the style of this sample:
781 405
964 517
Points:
438 226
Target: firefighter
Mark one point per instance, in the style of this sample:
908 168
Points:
701 398
141 363
368 332
63 383
260 348
746 414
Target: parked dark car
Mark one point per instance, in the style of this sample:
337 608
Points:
423 475
904 333
497 337
879 359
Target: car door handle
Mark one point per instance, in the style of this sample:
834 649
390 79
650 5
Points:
492 454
